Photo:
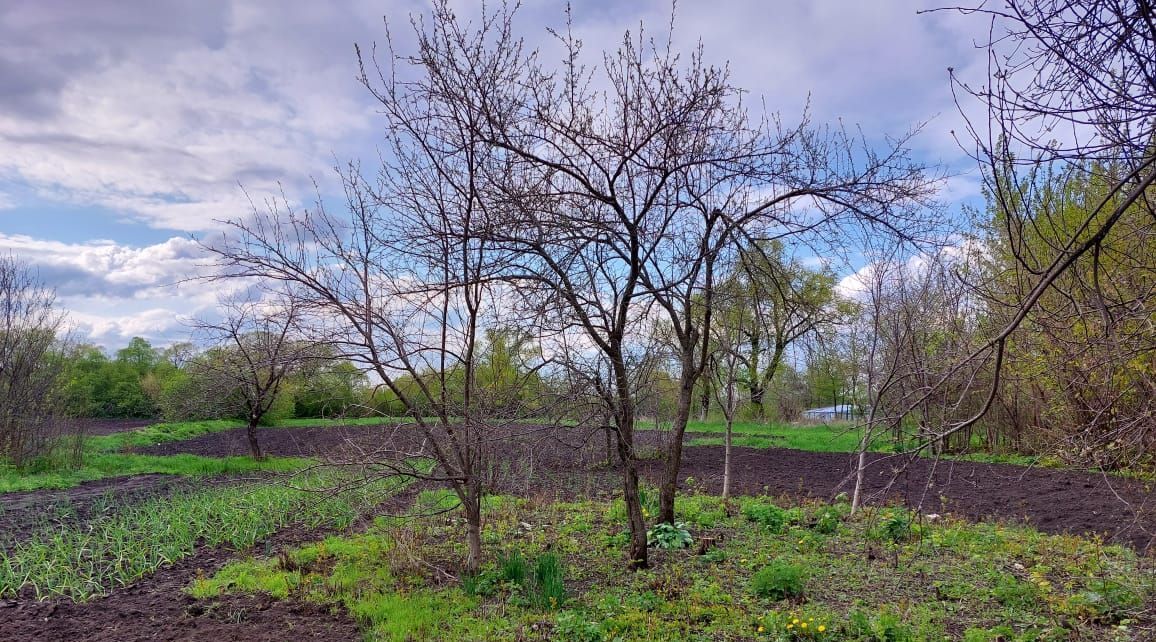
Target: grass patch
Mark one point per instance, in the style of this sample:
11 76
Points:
835 438
104 465
112 550
107 456
823 576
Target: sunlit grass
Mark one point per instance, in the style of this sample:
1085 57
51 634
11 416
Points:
103 465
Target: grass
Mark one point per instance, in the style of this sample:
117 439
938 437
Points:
830 577
835 438
104 465
114 549
106 456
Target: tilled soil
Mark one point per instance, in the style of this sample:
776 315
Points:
554 463
156 608
23 513
563 462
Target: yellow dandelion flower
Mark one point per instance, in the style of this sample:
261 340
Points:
802 625
822 628
761 628
790 626
795 621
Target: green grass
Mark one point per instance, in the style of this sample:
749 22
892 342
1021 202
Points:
179 431
114 549
107 456
104 465
830 577
835 438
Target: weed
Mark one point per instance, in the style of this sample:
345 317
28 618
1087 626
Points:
669 536
573 626
547 590
766 514
778 580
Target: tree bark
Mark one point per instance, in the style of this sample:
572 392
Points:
254 445
674 454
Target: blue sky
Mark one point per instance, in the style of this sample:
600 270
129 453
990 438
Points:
126 128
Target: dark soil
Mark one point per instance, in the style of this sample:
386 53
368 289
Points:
95 427
25 512
553 463
565 463
156 608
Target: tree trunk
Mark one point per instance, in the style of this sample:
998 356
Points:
757 394
473 509
726 489
251 432
637 553
704 402
674 455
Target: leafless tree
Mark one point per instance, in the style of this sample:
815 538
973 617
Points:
632 192
255 348
1071 91
30 333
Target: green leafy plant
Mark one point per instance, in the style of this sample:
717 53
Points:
512 566
573 626
779 580
762 512
882 626
669 536
896 527
547 589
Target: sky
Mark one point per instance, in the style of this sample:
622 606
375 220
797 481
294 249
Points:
130 129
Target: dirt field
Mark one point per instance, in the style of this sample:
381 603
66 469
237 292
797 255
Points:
1054 501
550 464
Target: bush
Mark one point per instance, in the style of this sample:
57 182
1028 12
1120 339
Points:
669 536
766 514
778 581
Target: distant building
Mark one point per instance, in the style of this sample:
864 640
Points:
830 413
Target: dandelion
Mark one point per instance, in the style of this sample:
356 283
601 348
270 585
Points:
802 625
761 629
795 621
822 628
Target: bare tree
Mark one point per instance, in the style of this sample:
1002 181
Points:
256 347
1070 92
30 333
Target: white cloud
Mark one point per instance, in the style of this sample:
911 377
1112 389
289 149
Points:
114 292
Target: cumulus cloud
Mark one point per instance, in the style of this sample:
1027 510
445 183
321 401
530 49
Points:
114 292
158 111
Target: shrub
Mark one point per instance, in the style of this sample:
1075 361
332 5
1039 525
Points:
669 536
778 580
765 514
